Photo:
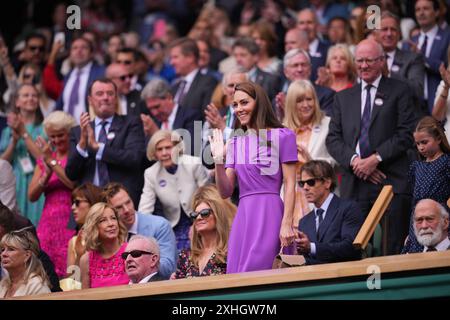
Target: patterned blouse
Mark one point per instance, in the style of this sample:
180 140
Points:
187 269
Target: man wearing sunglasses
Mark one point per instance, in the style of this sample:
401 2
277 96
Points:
142 260
130 100
147 225
326 234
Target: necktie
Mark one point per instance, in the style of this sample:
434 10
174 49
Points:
364 146
319 214
179 96
423 49
73 99
103 175
429 249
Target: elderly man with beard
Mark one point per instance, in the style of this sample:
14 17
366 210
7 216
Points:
431 225
142 260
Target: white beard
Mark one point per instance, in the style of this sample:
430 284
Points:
428 237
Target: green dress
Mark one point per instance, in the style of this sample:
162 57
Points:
31 210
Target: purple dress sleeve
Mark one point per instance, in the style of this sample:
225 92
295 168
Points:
288 146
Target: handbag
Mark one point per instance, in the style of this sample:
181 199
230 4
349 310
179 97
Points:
288 260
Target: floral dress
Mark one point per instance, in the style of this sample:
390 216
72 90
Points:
187 269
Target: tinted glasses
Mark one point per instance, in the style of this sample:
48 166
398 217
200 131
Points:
309 182
77 202
125 76
36 48
134 254
205 213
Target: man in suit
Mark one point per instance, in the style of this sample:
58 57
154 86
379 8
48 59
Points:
73 99
297 66
165 113
144 224
128 57
431 225
370 130
192 89
130 100
142 260
432 43
246 52
318 49
402 65
109 148
295 39
326 234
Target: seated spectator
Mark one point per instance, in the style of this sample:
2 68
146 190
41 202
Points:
304 117
142 260
26 275
212 221
431 225
83 198
50 179
326 234
338 31
144 224
17 145
7 185
102 265
339 72
159 67
295 39
266 39
173 179
9 222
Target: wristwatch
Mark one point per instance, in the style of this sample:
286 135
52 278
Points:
53 162
25 135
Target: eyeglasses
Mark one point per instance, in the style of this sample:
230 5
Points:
309 182
77 202
127 62
36 48
134 254
125 76
369 62
205 213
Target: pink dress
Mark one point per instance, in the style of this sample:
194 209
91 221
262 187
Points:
52 229
107 272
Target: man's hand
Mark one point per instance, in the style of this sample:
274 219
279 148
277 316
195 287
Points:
323 76
214 118
280 99
303 243
377 177
149 125
93 144
413 46
363 168
84 125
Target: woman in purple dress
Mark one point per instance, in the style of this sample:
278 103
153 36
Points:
50 179
262 158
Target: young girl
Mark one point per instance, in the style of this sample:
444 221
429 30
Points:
430 177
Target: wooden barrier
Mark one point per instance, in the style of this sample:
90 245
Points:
373 218
284 279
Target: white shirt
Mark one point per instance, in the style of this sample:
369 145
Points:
189 78
134 227
80 107
390 61
313 47
123 104
441 246
324 207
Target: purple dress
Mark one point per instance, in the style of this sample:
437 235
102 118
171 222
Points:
52 229
254 239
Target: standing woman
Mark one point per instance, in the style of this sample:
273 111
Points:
102 265
50 179
262 159
19 256
17 146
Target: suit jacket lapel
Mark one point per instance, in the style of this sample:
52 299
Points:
355 112
329 217
379 95
114 128
310 226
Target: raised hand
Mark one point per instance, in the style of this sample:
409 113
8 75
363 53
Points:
217 146
45 149
445 74
149 125
213 117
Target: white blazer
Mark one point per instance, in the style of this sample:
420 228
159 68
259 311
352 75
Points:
316 146
172 190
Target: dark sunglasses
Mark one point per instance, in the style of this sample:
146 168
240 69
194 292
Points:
134 254
36 48
28 75
125 76
77 202
309 182
205 213
125 61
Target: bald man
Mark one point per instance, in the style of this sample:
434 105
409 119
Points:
130 100
370 131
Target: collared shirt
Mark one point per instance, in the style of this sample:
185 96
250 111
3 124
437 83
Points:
441 246
189 78
80 107
431 34
146 279
134 227
390 61
251 74
123 104
324 207
172 116
313 47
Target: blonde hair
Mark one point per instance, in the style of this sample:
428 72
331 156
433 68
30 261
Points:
351 72
90 226
161 135
59 120
224 211
298 89
25 240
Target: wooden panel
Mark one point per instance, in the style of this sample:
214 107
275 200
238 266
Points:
389 264
373 218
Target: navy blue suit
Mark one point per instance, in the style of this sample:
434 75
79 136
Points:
438 54
319 58
338 230
97 71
